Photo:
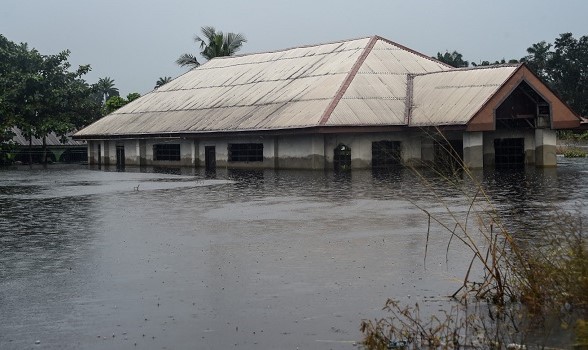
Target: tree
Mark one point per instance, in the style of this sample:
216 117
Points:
502 61
454 59
116 102
105 89
39 94
162 81
537 58
213 44
133 96
563 65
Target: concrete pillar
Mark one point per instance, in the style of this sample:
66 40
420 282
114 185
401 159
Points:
545 142
427 150
142 152
195 153
411 150
473 150
137 160
105 153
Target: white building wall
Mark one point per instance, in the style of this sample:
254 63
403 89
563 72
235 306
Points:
361 147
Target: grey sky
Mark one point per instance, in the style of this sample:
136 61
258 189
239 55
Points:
137 41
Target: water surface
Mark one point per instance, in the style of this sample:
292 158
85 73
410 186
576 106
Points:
260 259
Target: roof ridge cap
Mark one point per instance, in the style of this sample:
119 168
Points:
463 69
352 73
406 48
292 48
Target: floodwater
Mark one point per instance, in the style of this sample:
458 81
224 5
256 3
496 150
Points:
246 259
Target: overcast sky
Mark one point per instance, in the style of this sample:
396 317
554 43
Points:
135 42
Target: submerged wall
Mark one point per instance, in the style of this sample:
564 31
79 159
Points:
316 151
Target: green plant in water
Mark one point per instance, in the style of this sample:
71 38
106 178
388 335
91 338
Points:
512 288
575 153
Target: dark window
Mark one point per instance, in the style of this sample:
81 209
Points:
385 154
166 151
245 152
449 156
509 153
342 157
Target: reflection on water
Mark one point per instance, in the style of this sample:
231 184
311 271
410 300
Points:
261 259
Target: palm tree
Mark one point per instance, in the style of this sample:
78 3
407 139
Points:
162 81
105 89
539 55
213 44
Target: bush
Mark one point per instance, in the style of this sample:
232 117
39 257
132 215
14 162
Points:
574 153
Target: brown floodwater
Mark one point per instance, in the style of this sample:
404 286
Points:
95 259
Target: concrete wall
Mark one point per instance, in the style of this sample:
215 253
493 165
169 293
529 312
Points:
222 152
361 147
299 152
186 153
528 135
473 150
545 145
316 151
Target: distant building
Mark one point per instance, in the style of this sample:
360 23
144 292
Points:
64 150
364 103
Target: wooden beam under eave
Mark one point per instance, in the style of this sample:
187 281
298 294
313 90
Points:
562 117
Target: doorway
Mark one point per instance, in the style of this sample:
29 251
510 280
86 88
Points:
509 153
385 154
210 158
99 156
120 157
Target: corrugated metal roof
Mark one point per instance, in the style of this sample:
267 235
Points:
453 97
355 82
51 140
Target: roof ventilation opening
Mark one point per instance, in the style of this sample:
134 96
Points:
524 108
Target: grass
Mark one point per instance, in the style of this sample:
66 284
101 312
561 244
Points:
515 292
574 152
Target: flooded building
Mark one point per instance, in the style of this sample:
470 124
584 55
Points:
58 149
359 103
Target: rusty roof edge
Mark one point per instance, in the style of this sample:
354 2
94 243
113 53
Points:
510 76
343 88
555 93
409 98
467 69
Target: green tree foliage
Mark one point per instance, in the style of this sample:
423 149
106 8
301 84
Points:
133 96
454 59
40 94
564 66
488 63
116 102
162 81
213 44
105 89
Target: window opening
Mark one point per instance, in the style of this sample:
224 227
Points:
385 154
166 151
245 152
449 156
342 157
524 108
509 153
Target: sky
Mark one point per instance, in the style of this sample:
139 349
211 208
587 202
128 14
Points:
135 42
